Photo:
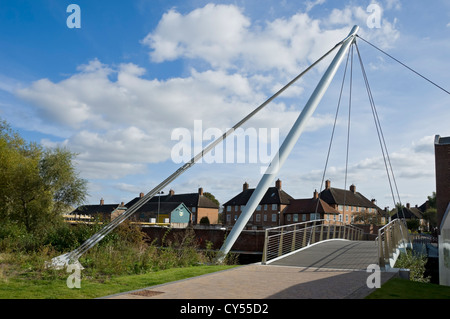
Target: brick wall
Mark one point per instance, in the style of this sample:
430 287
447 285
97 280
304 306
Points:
250 241
442 161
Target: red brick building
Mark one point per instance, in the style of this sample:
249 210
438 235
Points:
269 212
442 166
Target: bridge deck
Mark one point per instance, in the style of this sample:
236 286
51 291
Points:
335 254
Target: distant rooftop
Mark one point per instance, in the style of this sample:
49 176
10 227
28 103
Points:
442 140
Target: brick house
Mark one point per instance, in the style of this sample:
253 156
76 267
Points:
100 212
199 205
303 210
350 204
173 214
269 212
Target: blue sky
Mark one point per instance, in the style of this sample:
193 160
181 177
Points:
115 89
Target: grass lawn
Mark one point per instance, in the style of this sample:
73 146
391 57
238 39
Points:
397 288
23 288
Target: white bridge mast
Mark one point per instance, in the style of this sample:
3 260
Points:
287 145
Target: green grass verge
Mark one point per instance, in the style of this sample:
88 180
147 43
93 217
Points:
23 288
397 288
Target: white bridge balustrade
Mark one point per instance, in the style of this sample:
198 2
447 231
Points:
392 239
283 240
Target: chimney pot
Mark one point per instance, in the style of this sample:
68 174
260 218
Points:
102 202
278 184
353 189
408 205
316 194
327 184
245 186
200 191
141 195
171 192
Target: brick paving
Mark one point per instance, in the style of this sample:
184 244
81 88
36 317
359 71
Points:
319 272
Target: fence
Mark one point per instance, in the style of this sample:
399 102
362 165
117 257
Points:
286 239
391 238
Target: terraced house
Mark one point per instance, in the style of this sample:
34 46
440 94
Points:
269 212
352 206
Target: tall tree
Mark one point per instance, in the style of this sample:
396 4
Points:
35 184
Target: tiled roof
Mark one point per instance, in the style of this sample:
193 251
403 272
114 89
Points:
272 196
408 213
152 208
95 209
190 200
308 205
340 197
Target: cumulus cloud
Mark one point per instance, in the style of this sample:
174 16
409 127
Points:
225 38
120 120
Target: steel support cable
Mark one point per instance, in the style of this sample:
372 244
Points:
412 70
381 139
75 254
348 131
333 131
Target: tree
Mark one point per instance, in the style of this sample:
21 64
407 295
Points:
432 200
35 184
211 197
61 179
430 215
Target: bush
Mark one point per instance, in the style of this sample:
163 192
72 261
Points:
415 263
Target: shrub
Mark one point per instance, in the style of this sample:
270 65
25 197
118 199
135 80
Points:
415 263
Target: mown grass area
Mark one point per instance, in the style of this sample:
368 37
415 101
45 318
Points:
398 288
125 260
21 287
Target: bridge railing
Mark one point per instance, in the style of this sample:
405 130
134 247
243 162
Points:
286 239
391 238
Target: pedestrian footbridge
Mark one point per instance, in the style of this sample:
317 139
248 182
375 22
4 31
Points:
333 245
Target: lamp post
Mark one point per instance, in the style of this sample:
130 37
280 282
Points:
159 200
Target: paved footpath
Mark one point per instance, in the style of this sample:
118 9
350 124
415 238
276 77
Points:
264 281
328 270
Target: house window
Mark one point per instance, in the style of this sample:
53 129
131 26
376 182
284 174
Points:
258 208
193 209
258 217
228 218
265 207
228 208
346 218
274 217
265 217
242 208
315 216
235 217
295 218
341 208
340 217
303 217
274 206
236 208
288 217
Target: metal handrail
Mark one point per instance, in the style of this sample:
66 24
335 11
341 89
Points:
390 238
282 240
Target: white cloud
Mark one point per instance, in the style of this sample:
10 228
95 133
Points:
120 121
225 38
